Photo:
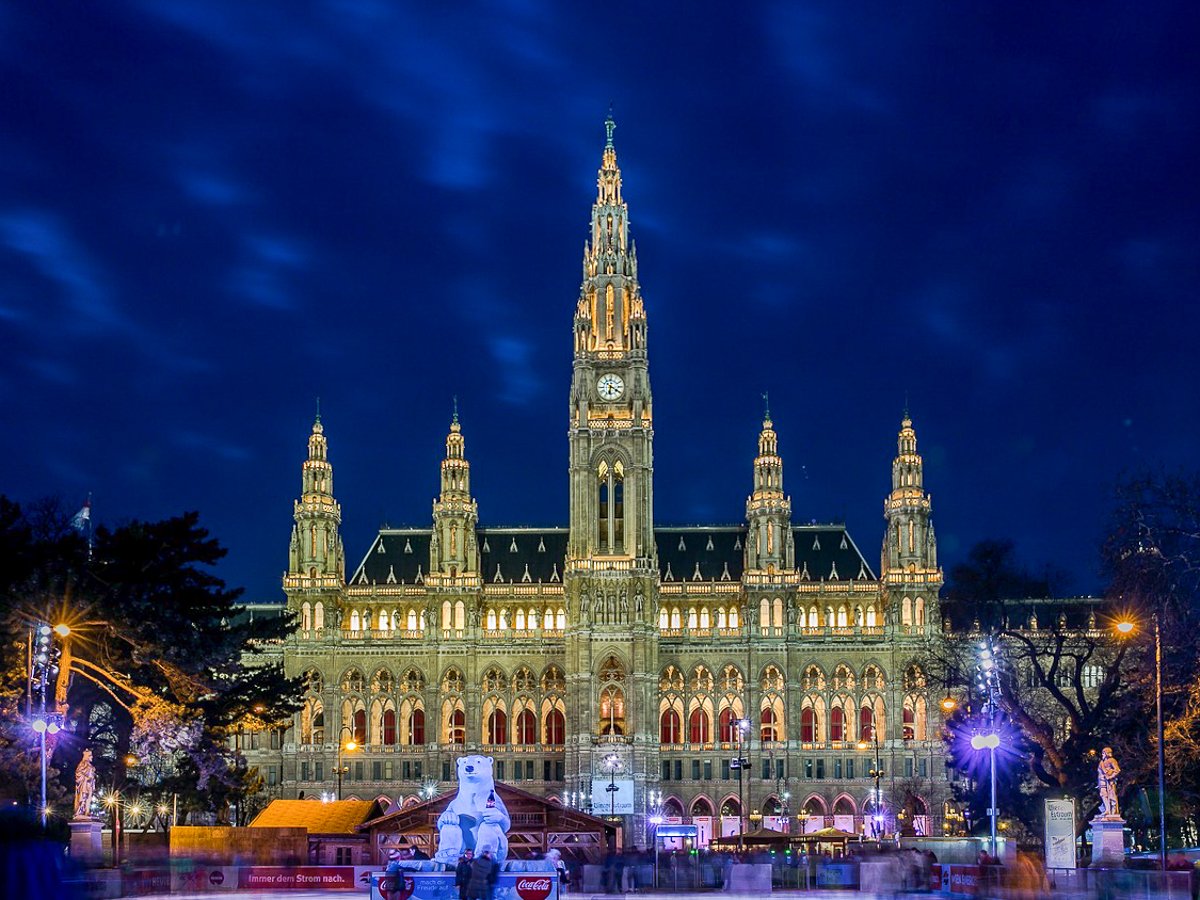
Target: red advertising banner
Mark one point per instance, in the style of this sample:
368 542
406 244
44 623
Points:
291 878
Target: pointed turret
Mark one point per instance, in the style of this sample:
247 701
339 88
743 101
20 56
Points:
452 549
610 318
769 548
316 558
909 559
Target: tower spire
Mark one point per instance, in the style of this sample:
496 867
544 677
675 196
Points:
909 558
316 558
768 510
610 125
452 553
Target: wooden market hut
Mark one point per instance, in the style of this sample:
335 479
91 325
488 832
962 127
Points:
538 825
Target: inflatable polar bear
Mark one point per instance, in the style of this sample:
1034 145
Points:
468 822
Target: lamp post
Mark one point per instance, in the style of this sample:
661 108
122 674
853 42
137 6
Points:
113 802
743 730
876 795
43 663
989 739
612 763
349 747
1124 627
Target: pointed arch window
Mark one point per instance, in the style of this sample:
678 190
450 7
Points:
668 727
458 727
556 728
768 725
698 726
389 727
416 727
611 500
526 727
727 726
837 724
808 725
612 710
360 727
866 724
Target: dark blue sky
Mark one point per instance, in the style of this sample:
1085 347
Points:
212 212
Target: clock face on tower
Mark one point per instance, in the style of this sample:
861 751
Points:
610 387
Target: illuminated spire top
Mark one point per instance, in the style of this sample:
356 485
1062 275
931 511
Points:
766 409
610 125
454 418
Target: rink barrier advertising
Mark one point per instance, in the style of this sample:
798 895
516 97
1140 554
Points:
440 886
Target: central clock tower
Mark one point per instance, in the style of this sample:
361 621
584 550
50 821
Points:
611 577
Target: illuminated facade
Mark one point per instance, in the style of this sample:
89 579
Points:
612 651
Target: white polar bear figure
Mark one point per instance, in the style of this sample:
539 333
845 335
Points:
468 822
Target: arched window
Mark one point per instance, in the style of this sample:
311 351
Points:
412 621
556 728
727 726
837 724
698 726
491 620
612 710
777 612
526 727
910 721
668 727
769 726
808 725
447 615
458 727
305 616
764 616
664 622
460 615
354 622
520 621
813 618
866 724
416 728
360 727
319 615
389 727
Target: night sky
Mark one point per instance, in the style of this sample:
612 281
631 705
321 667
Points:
211 213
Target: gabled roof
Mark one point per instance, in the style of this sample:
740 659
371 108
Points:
522 555
396 556
711 553
335 817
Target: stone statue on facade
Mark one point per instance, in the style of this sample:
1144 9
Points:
85 786
1107 773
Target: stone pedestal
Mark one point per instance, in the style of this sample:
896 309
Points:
86 844
1108 841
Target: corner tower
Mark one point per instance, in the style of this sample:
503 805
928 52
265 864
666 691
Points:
611 575
769 546
316 561
908 563
453 554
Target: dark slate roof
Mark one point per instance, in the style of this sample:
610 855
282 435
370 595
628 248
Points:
519 555
1071 613
716 552
535 555
397 556
828 553
825 552
522 555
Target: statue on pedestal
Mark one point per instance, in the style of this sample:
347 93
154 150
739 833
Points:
1106 781
85 786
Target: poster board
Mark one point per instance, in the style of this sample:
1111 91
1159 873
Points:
1060 834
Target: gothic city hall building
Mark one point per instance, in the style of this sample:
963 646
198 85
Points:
763 673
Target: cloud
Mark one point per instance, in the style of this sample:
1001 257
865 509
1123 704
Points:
518 383
48 246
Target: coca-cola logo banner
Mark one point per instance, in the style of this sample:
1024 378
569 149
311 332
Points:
533 887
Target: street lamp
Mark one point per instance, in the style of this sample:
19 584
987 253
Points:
612 763
43 663
877 794
743 730
113 802
349 747
989 683
1126 627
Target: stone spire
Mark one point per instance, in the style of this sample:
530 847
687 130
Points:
908 562
452 549
769 548
609 318
316 556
